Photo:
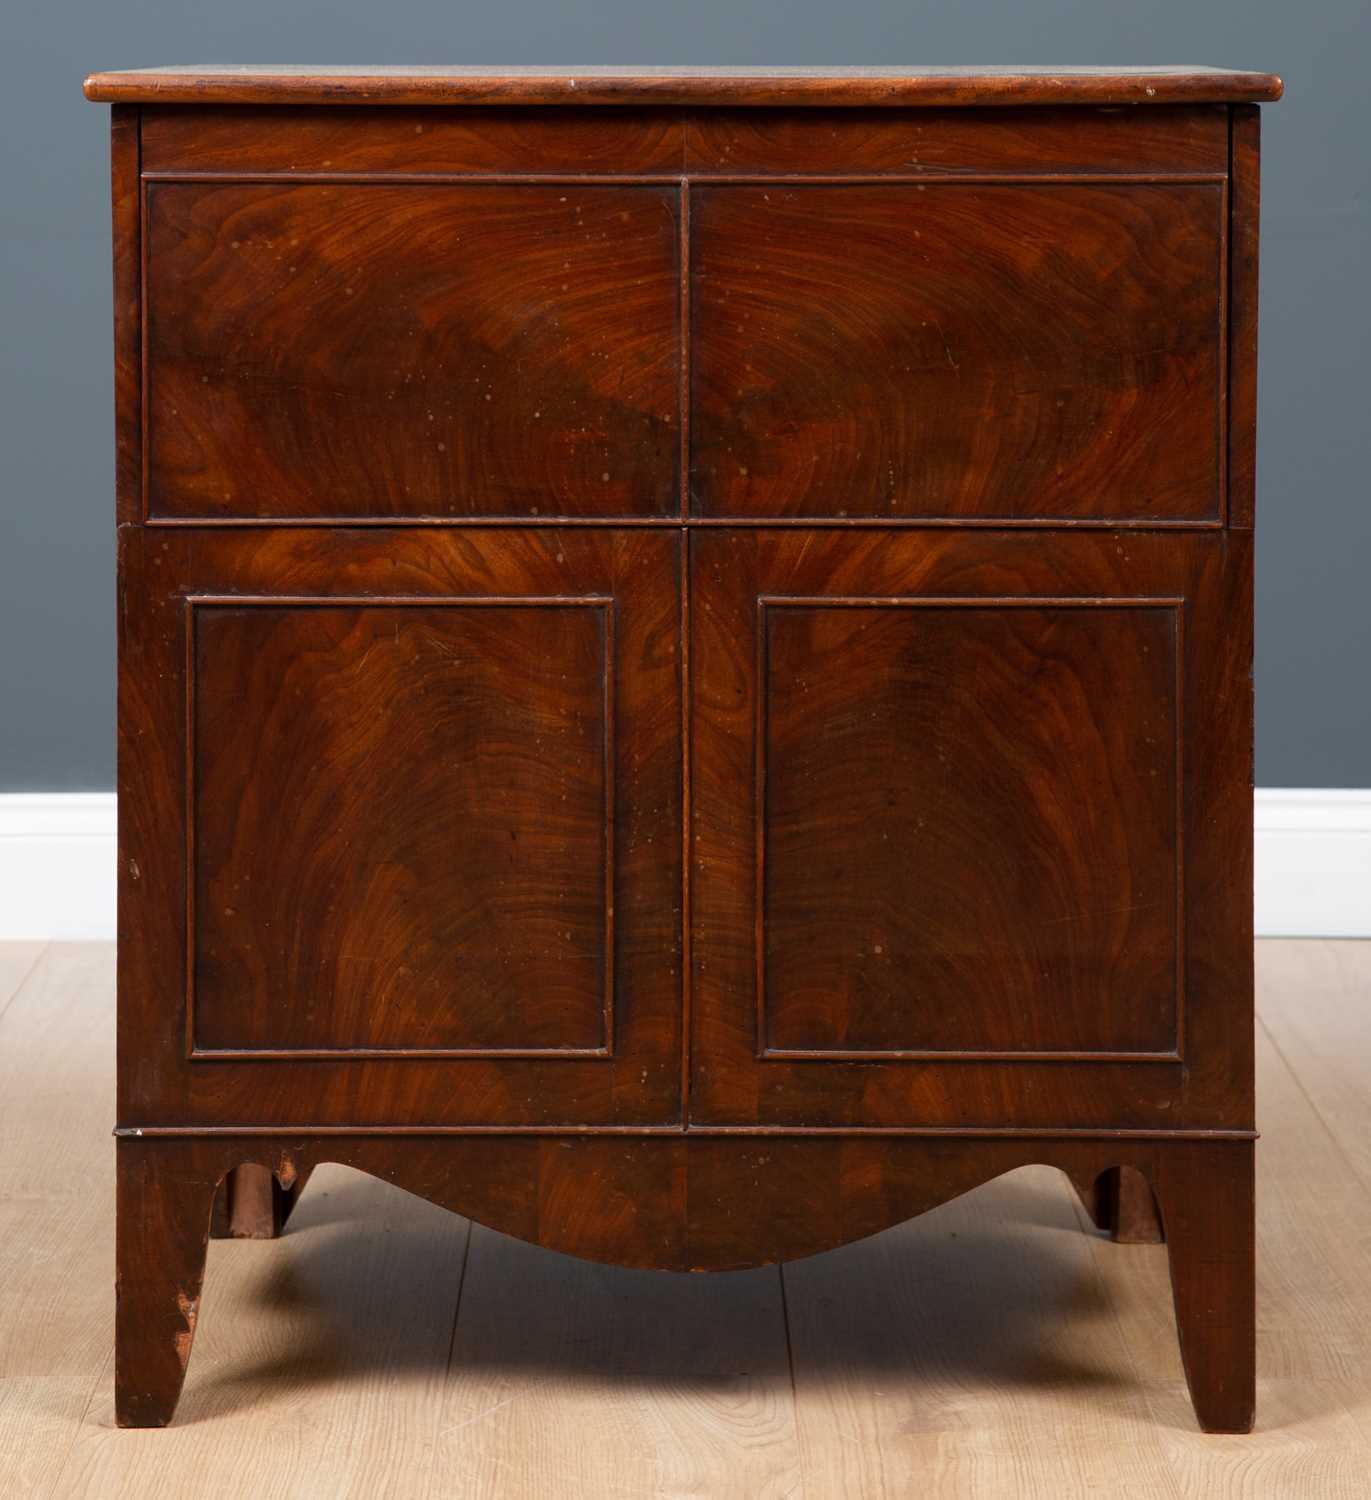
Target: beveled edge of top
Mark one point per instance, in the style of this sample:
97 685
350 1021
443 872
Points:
796 87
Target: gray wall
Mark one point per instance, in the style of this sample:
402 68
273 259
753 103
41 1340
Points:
56 553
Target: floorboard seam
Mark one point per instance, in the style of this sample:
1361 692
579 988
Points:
28 974
457 1305
794 1390
1314 1108
1100 1244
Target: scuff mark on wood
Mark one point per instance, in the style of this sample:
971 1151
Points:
190 1311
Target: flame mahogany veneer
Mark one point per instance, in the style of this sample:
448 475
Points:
685 648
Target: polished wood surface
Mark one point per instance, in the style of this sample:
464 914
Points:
1245 190
1039 142
408 760
849 358
467 905
686 672
681 1204
427 140
251 1204
932 769
849 87
332 350
298 140
1122 1203
385 1346
127 242
935 779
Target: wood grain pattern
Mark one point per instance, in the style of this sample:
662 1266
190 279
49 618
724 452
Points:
847 87
328 350
1244 217
127 244
1047 1359
343 140
941 779
850 359
683 1380
1010 1381
558 544
1134 1216
17 963
678 1203
251 1204
300 832
56 1202
828 744
1314 1323
1312 1074
1122 1204
355 1309
1311 1002
161 1236
340 140
403 825
1034 142
1205 1193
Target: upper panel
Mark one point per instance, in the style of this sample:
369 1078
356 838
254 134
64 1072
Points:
325 84
1043 351
419 313
330 349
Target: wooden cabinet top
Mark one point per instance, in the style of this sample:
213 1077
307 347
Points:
819 87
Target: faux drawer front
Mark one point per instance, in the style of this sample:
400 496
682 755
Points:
401 826
1009 351
383 350
970 818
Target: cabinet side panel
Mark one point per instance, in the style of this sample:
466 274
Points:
1244 213
128 301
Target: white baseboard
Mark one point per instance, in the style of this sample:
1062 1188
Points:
57 859
1313 860
57 856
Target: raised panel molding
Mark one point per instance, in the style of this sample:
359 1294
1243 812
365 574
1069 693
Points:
403 882
927 925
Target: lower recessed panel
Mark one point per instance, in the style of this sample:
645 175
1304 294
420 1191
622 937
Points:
967 833
401 826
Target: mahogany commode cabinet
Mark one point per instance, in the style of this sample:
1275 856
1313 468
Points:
685 647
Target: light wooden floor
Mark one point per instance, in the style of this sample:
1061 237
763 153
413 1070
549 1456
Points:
386 1348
